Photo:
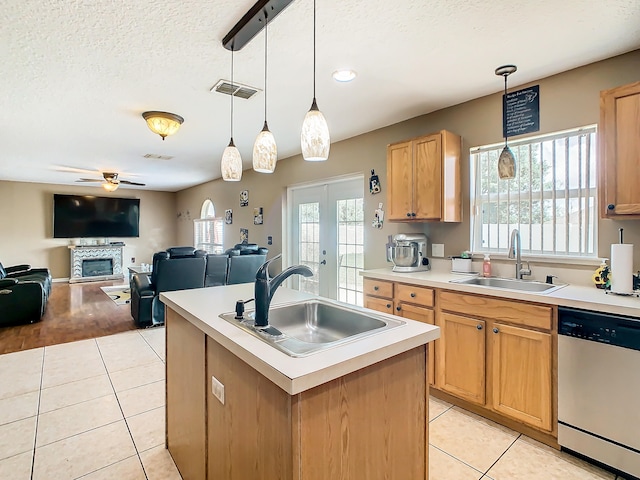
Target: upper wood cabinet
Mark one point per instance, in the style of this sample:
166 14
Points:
423 176
619 144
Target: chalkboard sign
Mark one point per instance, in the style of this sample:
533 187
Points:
521 112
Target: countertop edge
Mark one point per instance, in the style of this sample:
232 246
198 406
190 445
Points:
201 308
574 296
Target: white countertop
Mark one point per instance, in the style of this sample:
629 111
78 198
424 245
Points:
587 298
203 306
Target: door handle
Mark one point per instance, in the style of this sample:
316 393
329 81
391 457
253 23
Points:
495 330
323 262
479 327
398 308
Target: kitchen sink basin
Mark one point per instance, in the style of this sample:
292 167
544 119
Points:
529 286
302 328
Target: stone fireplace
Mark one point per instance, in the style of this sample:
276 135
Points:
96 262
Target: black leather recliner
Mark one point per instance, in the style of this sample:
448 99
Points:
177 268
244 262
24 293
237 265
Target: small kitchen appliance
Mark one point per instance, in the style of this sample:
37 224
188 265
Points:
408 251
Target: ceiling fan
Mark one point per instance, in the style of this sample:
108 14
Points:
111 181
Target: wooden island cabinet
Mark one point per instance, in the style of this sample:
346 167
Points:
228 419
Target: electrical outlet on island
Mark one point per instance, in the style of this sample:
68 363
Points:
133 260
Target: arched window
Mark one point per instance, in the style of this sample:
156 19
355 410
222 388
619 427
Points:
208 231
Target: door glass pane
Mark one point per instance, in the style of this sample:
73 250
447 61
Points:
309 221
350 250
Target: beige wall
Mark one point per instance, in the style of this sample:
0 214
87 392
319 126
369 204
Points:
26 210
567 100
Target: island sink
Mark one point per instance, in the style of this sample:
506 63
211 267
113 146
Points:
300 329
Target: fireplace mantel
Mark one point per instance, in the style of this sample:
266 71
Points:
82 253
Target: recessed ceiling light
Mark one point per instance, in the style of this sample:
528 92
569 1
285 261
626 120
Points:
344 75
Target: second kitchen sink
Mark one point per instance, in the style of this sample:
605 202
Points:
529 286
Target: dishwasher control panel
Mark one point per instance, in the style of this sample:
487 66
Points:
599 327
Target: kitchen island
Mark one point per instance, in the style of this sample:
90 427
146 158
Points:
238 408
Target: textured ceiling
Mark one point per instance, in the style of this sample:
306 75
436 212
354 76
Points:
76 75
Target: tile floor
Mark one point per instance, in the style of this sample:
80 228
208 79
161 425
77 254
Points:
94 410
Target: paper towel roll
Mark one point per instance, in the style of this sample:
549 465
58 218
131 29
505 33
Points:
622 268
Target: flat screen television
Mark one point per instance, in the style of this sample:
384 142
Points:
81 216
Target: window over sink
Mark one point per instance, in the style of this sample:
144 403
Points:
552 200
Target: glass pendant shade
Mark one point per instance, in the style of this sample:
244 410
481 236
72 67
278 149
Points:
110 186
265 151
231 164
506 164
314 138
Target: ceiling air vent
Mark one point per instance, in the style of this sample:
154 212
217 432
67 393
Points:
157 157
236 89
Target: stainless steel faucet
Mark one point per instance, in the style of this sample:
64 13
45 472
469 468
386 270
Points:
265 288
516 252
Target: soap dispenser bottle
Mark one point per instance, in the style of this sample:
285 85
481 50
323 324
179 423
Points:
486 266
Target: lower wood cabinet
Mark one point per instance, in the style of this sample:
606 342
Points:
462 357
484 359
405 300
522 381
424 315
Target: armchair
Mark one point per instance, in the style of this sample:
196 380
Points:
244 262
24 293
177 268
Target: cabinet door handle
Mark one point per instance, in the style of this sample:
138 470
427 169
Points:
495 330
413 295
611 207
408 214
479 326
398 308
388 305
376 288
413 214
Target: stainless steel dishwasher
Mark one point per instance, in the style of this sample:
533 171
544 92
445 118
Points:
599 387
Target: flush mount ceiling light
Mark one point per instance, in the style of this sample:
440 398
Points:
265 150
163 123
344 76
231 164
506 161
314 137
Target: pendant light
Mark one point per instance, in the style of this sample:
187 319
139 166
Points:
314 138
231 164
506 161
265 150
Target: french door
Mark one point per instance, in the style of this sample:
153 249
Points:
326 222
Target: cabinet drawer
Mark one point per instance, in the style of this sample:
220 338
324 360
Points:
530 315
378 304
378 288
413 294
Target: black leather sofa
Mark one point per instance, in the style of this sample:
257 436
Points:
24 293
182 268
